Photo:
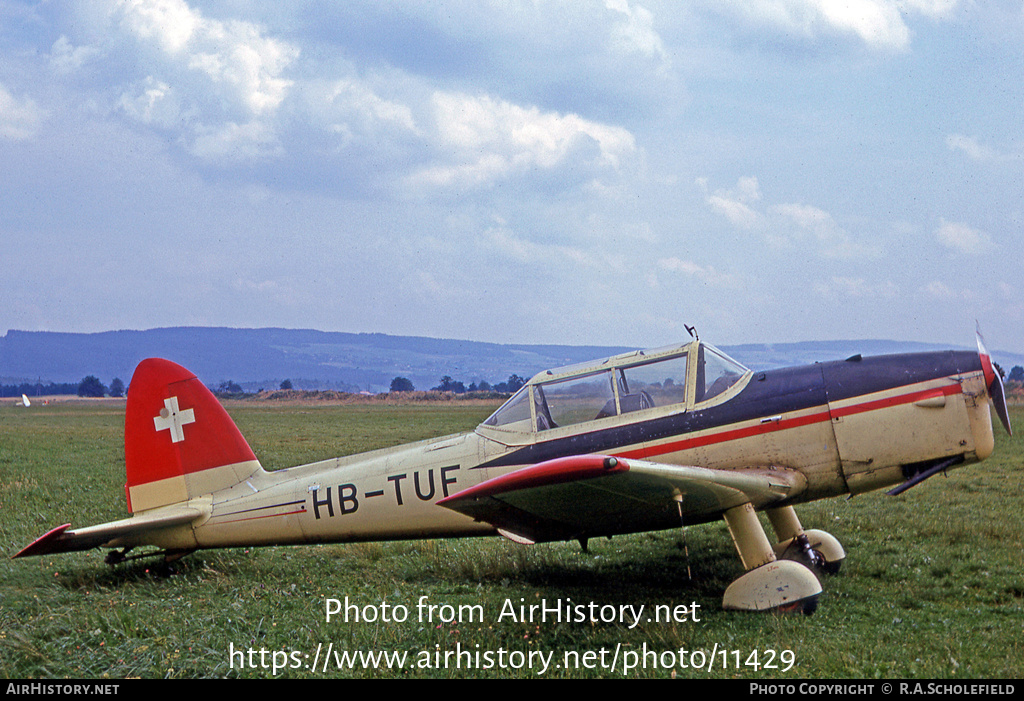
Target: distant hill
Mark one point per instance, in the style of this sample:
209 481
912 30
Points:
772 355
262 358
257 358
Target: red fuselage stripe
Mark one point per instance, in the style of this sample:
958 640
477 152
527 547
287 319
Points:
946 390
771 425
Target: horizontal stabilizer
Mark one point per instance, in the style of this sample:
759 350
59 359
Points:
116 534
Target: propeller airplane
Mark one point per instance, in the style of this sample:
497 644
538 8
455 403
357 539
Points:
642 441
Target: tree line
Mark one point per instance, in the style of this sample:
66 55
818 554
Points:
447 384
89 386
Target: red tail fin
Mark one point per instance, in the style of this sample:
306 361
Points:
179 442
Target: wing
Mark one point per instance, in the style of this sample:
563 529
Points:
592 495
130 531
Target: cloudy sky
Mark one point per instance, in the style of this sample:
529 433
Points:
543 171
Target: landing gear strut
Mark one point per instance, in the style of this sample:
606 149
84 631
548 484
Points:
770 584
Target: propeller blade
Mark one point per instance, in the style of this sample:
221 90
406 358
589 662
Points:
995 384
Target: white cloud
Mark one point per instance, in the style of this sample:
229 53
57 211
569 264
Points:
636 32
938 290
706 274
219 82
239 56
510 246
963 239
974 150
879 24
232 90
735 205
783 225
855 287
739 213
832 240
170 23
238 143
151 102
19 117
490 139
936 9
354 99
569 260
66 58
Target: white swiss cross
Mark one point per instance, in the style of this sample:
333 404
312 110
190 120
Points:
173 420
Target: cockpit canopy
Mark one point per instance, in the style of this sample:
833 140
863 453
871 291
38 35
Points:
681 376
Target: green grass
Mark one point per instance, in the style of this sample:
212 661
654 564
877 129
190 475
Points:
931 588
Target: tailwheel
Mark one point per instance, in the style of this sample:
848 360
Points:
116 557
163 568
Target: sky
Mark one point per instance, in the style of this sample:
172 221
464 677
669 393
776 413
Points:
538 171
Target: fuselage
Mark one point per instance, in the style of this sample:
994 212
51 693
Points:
846 426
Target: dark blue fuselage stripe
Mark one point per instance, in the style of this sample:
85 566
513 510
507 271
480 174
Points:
768 393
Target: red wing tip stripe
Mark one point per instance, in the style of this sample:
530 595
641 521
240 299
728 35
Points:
42 541
557 471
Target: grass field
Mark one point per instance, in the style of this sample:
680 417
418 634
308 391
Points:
932 586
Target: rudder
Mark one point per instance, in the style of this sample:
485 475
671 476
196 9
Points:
179 442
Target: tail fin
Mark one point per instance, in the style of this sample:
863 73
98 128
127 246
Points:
179 442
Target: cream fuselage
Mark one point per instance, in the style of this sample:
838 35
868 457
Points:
846 427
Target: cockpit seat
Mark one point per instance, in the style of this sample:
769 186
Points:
628 402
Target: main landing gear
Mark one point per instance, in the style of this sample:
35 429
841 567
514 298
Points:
779 577
817 549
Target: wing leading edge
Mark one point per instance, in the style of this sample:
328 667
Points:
592 495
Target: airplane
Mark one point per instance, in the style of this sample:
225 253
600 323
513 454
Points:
647 440
24 401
